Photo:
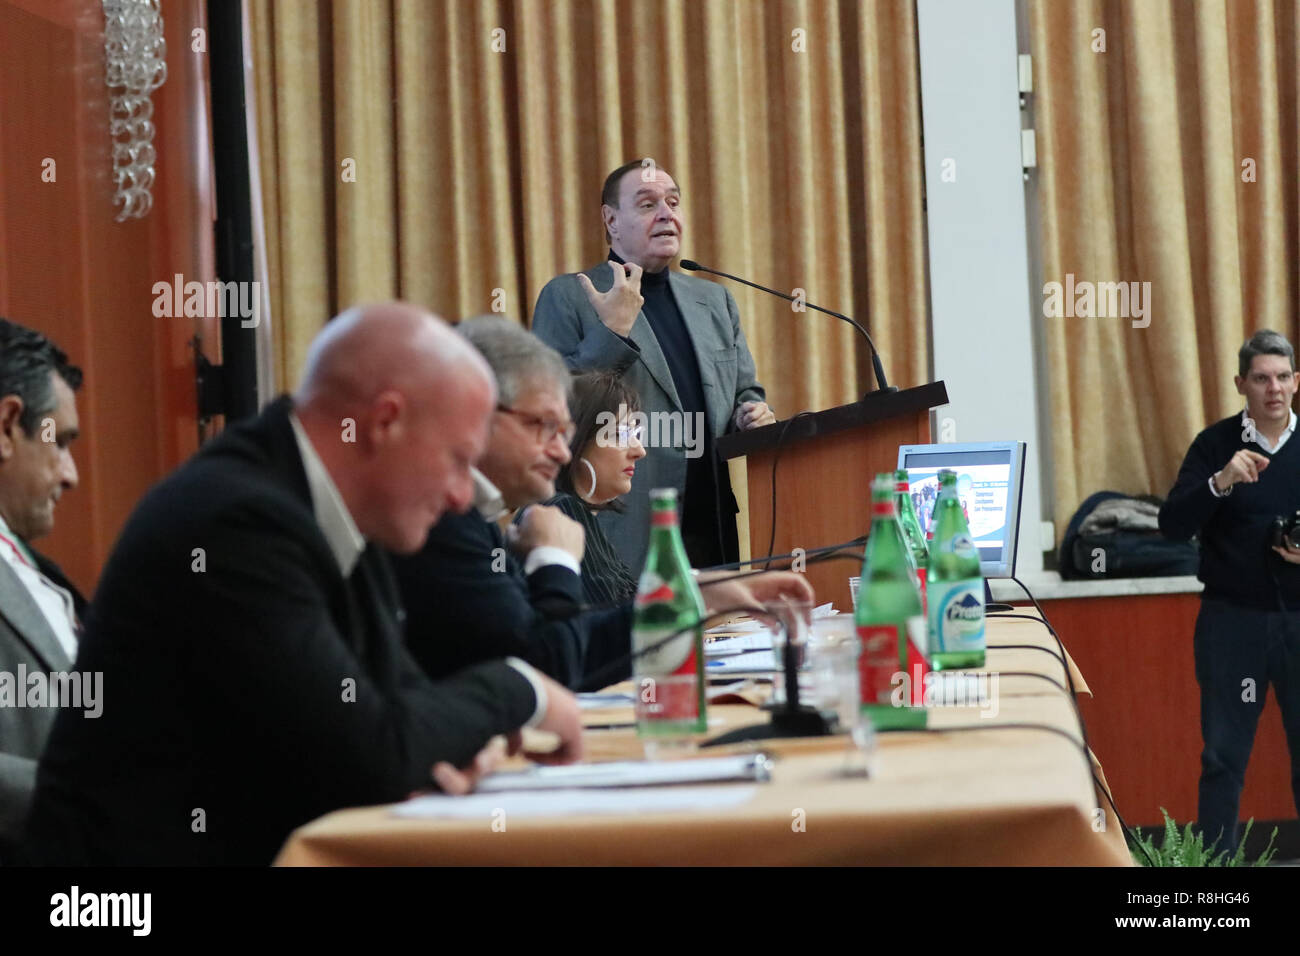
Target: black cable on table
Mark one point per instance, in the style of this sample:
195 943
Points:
1024 647
1055 683
1074 694
831 552
736 565
1019 725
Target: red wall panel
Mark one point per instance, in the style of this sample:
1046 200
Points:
68 269
1144 717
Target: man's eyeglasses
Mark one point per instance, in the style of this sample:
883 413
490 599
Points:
546 428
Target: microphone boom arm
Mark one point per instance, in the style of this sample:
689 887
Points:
876 365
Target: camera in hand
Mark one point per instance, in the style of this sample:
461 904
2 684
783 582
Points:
1285 532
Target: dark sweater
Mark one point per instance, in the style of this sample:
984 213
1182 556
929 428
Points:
1237 563
708 505
606 581
468 600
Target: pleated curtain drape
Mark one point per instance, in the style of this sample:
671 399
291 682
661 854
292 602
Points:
451 153
1167 139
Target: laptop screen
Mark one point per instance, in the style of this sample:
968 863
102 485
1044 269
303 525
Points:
989 479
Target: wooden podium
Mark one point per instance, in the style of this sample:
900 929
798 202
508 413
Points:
824 465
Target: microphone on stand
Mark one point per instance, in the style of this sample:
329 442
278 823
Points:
877 367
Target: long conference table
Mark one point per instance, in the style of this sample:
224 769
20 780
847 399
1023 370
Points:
971 790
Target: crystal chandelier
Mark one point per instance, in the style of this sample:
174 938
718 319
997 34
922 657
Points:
134 53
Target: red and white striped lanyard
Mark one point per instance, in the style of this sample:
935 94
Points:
18 551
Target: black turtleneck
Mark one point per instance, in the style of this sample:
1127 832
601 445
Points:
699 519
1237 563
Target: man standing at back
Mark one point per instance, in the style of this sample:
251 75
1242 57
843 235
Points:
249 631
679 342
1240 474
40 609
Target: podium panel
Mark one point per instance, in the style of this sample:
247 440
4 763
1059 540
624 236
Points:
824 465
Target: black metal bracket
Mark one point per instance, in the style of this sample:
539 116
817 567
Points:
210 383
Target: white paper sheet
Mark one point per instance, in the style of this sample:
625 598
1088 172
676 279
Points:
742 627
632 773
601 701
739 627
756 662
553 803
758 641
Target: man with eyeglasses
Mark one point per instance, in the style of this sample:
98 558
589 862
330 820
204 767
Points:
476 591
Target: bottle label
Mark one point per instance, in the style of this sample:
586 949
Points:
674 655
654 590
961 544
956 616
667 685
891 667
881 656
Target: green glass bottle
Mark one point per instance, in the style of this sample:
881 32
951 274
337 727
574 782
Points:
955 616
887 600
911 526
670 682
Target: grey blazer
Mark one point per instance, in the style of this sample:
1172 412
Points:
25 638
567 322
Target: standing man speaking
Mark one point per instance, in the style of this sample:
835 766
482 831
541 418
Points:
678 341
1239 475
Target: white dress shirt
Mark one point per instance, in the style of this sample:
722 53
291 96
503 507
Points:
1261 440
545 554
55 602
346 541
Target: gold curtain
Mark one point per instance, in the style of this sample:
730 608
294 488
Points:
479 134
451 153
1147 155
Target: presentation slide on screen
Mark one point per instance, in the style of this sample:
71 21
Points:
983 491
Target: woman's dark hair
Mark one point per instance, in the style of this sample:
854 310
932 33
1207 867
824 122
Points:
594 393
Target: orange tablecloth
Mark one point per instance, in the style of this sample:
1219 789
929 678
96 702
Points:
969 797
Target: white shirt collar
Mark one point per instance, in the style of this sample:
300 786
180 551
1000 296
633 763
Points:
341 532
52 600
1248 422
18 543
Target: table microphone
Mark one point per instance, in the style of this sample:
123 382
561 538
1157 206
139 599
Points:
877 367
